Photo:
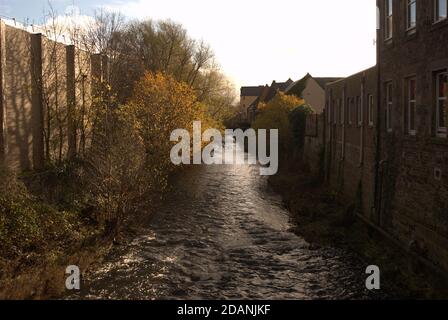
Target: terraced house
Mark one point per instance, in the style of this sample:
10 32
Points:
385 130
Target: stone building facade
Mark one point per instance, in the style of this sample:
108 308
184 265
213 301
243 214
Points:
385 136
413 170
350 138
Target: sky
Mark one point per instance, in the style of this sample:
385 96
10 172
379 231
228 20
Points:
255 41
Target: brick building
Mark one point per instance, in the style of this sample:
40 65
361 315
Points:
384 131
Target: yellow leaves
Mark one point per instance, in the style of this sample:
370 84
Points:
275 115
283 101
159 105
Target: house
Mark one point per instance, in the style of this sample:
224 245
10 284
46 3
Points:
274 88
384 131
311 90
251 97
248 96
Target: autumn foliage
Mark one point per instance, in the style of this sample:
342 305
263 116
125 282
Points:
130 162
161 104
276 114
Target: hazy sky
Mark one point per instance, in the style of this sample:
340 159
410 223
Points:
255 41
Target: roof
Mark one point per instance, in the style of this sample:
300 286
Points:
251 91
255 103
298 86
265 93
324 81
274 88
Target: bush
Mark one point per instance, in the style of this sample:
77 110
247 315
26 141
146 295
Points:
288 115
129 163
297 119
27 224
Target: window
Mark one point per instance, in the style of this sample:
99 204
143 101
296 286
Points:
389 105
342 112
358 111
388 25
440 10
411 101
411 14
349 110
371 109
335 112
442 103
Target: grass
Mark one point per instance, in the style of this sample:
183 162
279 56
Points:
322 220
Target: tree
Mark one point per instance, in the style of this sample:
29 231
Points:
159 105
276 115
165 47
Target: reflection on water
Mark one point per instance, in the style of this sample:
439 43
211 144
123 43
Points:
223 235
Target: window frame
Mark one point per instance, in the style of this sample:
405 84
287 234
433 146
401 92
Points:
370 109
349 111
389 107
388 20
436 10
409 5
335 111
411 103
359 111
441 131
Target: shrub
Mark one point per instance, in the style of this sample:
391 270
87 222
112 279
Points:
129 163
297 119
277 115
28 224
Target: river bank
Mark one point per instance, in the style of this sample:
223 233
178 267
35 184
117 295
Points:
322 220
40 274
46 225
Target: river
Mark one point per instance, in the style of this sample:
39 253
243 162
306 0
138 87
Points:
223 234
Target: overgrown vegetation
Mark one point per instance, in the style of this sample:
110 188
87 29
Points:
159 79
287 114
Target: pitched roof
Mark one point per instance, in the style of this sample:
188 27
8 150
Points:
255 103
298 86
324 81
274 88
264 93
251 91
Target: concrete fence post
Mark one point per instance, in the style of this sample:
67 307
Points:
3 138
95 61
37 114
105 68
71 101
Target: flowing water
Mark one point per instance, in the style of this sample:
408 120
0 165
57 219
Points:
222 234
